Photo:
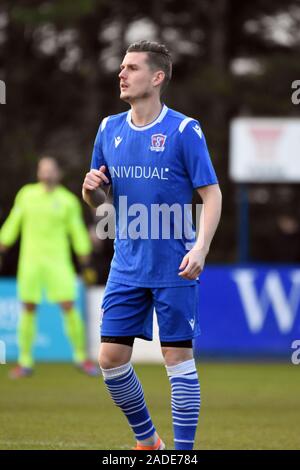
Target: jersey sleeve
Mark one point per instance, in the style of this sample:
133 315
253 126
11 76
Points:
77 230
11 228
98 158
196 156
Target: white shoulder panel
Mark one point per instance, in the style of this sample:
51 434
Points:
184 123
103 124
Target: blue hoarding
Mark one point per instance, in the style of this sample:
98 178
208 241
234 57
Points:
244 311
249 310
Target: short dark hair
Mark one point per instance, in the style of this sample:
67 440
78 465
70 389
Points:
159 58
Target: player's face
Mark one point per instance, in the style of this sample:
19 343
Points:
136 77
48 172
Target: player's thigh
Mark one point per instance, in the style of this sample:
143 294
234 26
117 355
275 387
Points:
177 312
60 281
30 282
176 354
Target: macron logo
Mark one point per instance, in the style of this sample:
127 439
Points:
198 130
118 140
192 323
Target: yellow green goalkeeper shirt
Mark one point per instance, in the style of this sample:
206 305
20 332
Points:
49 223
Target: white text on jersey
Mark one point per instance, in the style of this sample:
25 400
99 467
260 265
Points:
138 172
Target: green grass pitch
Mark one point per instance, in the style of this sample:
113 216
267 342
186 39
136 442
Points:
244 406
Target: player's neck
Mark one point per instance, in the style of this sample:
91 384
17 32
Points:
144 112
49 187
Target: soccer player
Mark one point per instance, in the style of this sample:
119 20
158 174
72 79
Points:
152 155
47 214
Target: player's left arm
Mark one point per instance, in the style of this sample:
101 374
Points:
193 262
203 178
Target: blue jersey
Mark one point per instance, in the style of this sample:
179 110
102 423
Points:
152 167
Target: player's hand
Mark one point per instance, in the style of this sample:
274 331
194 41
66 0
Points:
192 264
3 250
95 179
89 276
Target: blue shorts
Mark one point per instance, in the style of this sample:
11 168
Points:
128 311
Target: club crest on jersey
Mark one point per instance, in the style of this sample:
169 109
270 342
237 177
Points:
158 142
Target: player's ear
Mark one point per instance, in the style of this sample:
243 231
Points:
158 78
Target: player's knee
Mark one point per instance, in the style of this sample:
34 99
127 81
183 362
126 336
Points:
29 307
66 306
108 362
111 359
173 356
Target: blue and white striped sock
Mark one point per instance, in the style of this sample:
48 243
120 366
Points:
185 403
127 393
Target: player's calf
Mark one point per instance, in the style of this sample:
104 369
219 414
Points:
185 403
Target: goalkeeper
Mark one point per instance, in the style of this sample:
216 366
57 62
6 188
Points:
48 217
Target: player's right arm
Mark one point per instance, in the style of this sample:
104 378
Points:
11 228
93 191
